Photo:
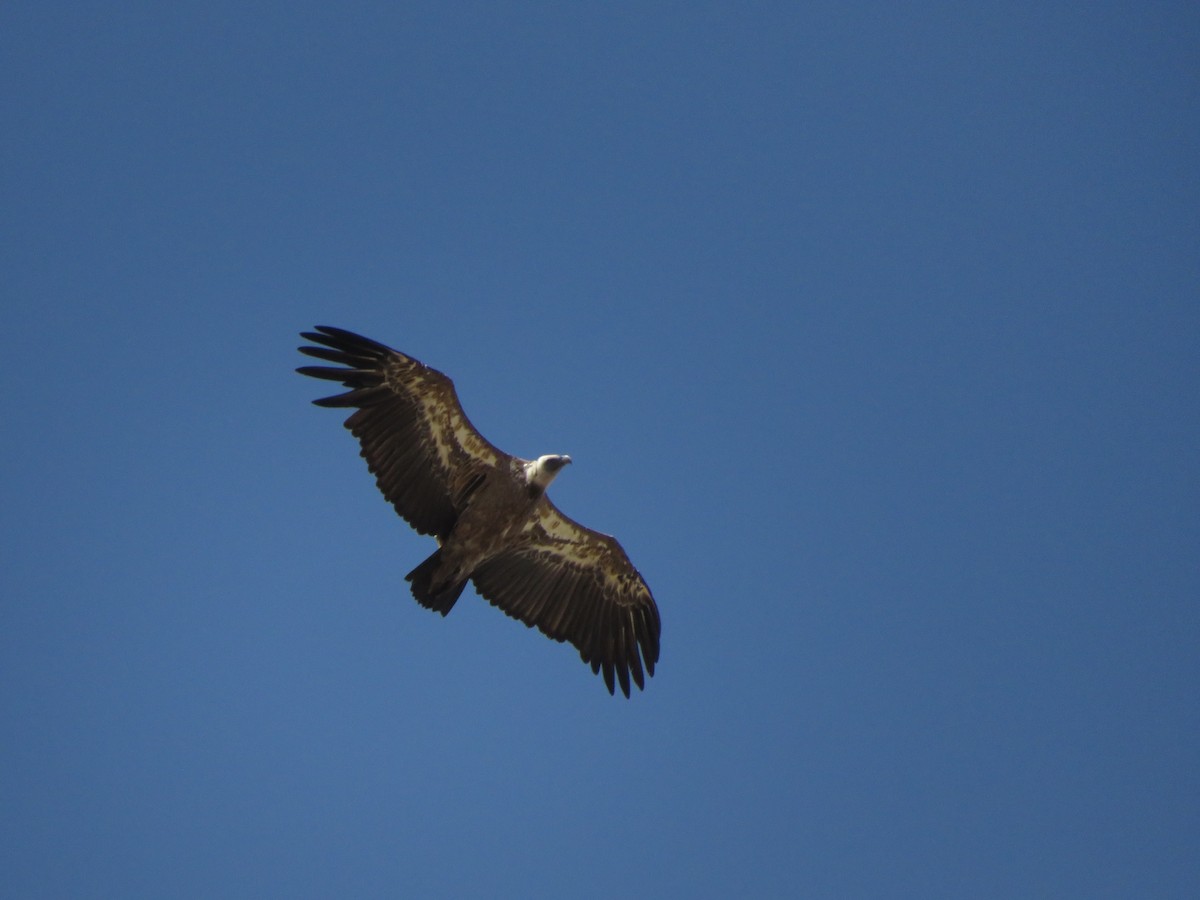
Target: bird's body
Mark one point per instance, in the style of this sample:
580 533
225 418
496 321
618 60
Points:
489 511
500 505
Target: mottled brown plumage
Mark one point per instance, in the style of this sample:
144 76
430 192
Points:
493 522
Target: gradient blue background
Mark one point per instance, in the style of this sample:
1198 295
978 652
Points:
873 330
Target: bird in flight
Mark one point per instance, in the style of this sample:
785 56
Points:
488 510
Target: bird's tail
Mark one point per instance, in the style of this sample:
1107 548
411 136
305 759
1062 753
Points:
438 597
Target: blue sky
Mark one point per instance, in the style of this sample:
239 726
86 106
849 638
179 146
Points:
873 333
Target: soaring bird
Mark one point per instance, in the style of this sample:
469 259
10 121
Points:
488 510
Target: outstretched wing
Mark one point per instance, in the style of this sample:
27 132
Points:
578 585
425 454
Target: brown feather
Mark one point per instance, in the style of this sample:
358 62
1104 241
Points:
577 585
406 411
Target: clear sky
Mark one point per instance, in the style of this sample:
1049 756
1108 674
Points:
873 331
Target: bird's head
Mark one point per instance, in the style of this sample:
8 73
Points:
543 470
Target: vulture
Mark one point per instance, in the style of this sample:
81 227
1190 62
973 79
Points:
488 510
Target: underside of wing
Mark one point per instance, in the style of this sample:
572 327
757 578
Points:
578 585
417 441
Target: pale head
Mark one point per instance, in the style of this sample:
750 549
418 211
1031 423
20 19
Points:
543 470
